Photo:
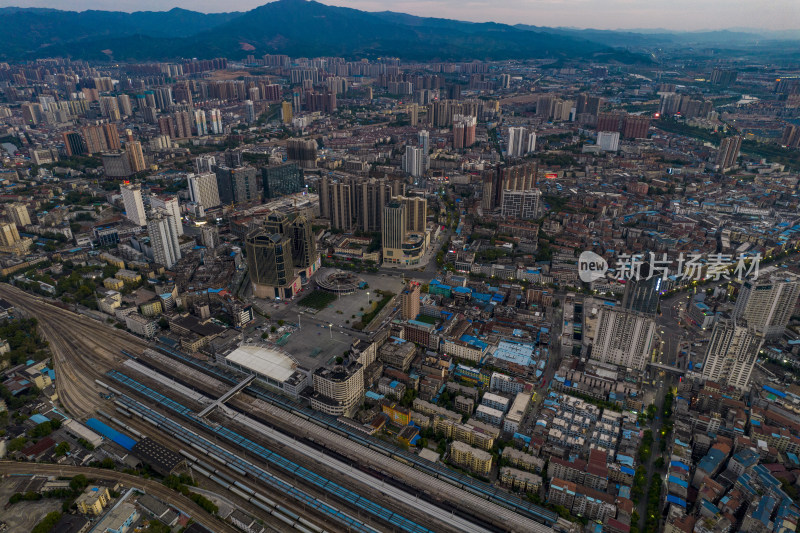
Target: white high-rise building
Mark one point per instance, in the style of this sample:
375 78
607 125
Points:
163 239
624 338
110 108
767 304
250 111
524 205
424 141
205 163
46 101
414 161
521 142
170 205
215 119
124 104
200 122
134 207
338 391
608 141
337 84
209 236
732 353
203 189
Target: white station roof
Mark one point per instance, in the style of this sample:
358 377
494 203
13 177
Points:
264 361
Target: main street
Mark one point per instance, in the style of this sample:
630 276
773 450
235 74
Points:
671 325
655 452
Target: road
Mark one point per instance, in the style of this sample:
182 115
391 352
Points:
672 326
149 486
655 427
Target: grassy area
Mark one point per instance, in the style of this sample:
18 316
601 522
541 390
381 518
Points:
386 297
673 126
426 319
77 162
318 300
772 152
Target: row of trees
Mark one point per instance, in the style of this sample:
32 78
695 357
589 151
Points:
182 483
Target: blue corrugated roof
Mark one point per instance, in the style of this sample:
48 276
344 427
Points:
710 506
678 481
39 419
124 441
677 501
102 428
625 459
711 461
774 391
764 509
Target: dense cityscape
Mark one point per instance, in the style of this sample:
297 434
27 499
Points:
268 292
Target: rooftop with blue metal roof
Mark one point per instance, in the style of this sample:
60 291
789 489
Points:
774 391
711 461
764 509
39 419
515 352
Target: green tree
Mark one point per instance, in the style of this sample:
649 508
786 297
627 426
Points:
86 444
47 523
17 444
408 397
61 449
78 482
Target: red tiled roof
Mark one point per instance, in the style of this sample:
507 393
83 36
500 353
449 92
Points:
38 448
617 525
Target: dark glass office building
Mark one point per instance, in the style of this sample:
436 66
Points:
281 180
642 294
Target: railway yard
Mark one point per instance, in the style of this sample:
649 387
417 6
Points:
279 461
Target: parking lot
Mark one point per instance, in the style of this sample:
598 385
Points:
23 516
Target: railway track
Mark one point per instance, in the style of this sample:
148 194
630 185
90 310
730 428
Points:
77 362
83 351
152 487
65 326
435 489
173 444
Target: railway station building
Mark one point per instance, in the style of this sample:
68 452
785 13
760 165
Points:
272 367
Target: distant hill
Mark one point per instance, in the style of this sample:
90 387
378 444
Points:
34 32
641 38
294 27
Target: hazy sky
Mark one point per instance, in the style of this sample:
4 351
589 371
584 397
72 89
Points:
605 14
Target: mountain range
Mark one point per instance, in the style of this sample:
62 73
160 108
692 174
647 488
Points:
308 28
